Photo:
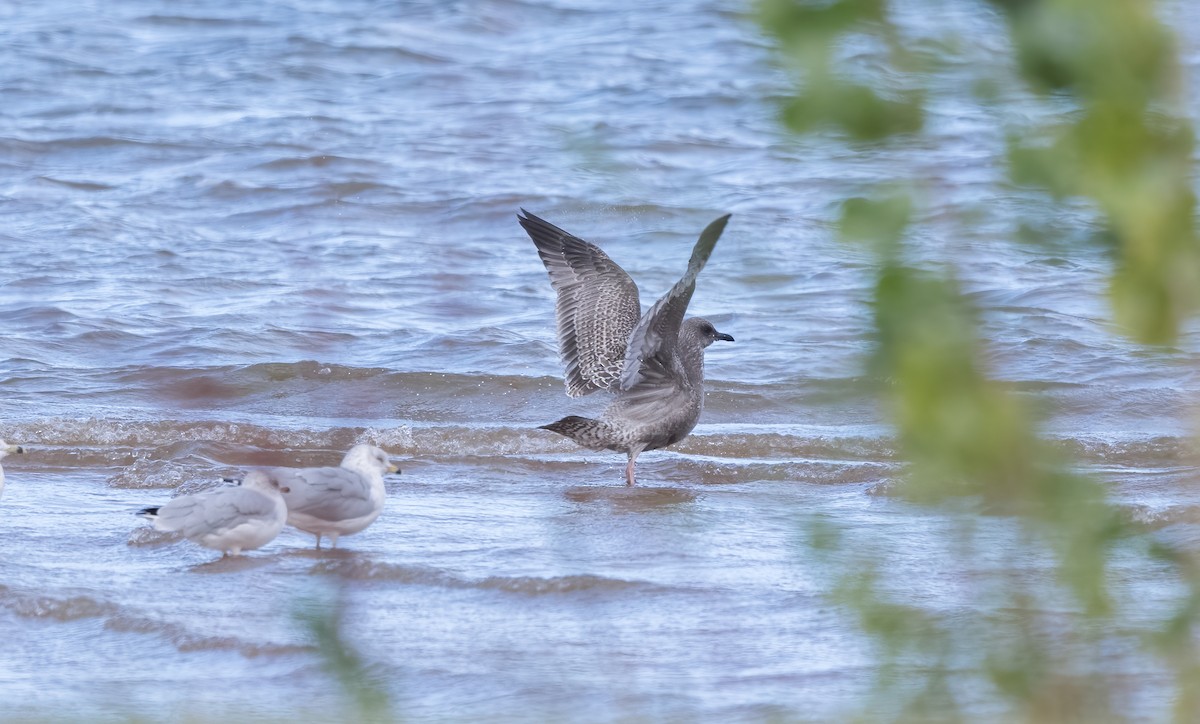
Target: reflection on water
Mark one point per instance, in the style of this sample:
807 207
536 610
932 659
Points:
259 233
630 499
230 564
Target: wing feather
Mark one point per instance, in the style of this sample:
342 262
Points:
596 310
651 361
213 512
325 493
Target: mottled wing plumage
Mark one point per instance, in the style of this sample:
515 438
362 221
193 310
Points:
597 306
214 512
325 493
651 361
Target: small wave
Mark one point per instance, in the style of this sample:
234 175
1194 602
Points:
776 444
146 536
323 161
103 142
64 432
1151 518
117 618
535 586
189 21
636 498
227 382
184 640
1147 452
79 185
315 48
187 456
152 474
163 453
57 609
359 569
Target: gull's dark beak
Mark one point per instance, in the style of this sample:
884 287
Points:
723 337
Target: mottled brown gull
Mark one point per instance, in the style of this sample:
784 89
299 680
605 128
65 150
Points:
5 449
230 520
654 362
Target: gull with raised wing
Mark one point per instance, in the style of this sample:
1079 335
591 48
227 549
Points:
654 362
336 501
230 520
5 450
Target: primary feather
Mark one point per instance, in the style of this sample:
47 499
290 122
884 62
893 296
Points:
597 305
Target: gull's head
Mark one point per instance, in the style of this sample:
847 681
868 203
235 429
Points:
262 480
6 449
704 332
369 457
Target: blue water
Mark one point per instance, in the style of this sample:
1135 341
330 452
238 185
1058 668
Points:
246 234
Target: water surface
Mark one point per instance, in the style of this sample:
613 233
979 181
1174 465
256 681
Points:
256 233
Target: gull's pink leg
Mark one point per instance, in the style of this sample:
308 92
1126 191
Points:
629 480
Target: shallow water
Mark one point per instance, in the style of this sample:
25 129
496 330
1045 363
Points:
256 233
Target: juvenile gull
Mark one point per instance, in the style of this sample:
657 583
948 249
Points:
336 501
5 449
230 520
654 362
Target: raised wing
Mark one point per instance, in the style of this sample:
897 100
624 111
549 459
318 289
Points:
651 361
213 512
325 493
597 305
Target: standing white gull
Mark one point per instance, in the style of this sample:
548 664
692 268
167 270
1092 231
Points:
230 520
336 501
5 449
654 362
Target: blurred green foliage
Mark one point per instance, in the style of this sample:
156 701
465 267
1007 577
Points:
1126 150
321 619
1123 149
808 33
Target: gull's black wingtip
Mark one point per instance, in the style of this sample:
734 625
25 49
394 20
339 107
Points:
148 512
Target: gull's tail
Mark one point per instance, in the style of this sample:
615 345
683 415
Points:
589 433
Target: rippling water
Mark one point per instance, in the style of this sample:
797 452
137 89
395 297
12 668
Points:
255 233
